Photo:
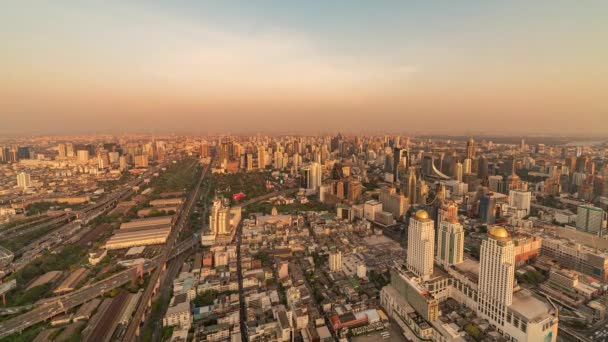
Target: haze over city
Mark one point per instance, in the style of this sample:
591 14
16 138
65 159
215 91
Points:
311 171
270 66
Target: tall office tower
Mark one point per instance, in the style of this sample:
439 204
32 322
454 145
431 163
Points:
400 162
410 188
69 150
466 166
62 150
458 172
591 219
312 176
122 163
520 200
470 148
421 245
496 275
487 208
581 163
261 157
450 242
522 145
335 261
483 168
83 156
23 180
249 161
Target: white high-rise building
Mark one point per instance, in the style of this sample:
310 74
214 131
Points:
520 200
450 242
23 180
421 245
496 275
335 261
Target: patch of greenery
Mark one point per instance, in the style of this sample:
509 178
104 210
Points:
206 298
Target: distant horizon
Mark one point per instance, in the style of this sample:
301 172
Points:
413 135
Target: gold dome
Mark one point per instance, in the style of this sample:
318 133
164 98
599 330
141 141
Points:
499 232
422 215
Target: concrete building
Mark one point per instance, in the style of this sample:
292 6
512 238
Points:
496 275
335 261
370 209
521 201
24 180
591 220
576 256
450 242
421 245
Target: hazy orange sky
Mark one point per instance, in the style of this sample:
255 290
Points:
268 66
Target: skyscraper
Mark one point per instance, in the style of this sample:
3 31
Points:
261 157
421 245
458 172
335 261
483 168
470 148
450 242
312 176
23 180
410 188
496 275
466 166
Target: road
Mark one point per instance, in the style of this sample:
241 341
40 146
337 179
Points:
239 271
158 274
61 304
55 240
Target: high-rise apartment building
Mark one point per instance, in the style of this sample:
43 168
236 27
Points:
591 219
83 156
421 245
311 176
520 200
23 180
496 275
450 242
335 261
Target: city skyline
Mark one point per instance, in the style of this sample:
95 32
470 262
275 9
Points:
207 67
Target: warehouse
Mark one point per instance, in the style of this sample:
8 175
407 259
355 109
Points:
139 236
148 222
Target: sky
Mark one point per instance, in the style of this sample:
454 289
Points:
449 67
